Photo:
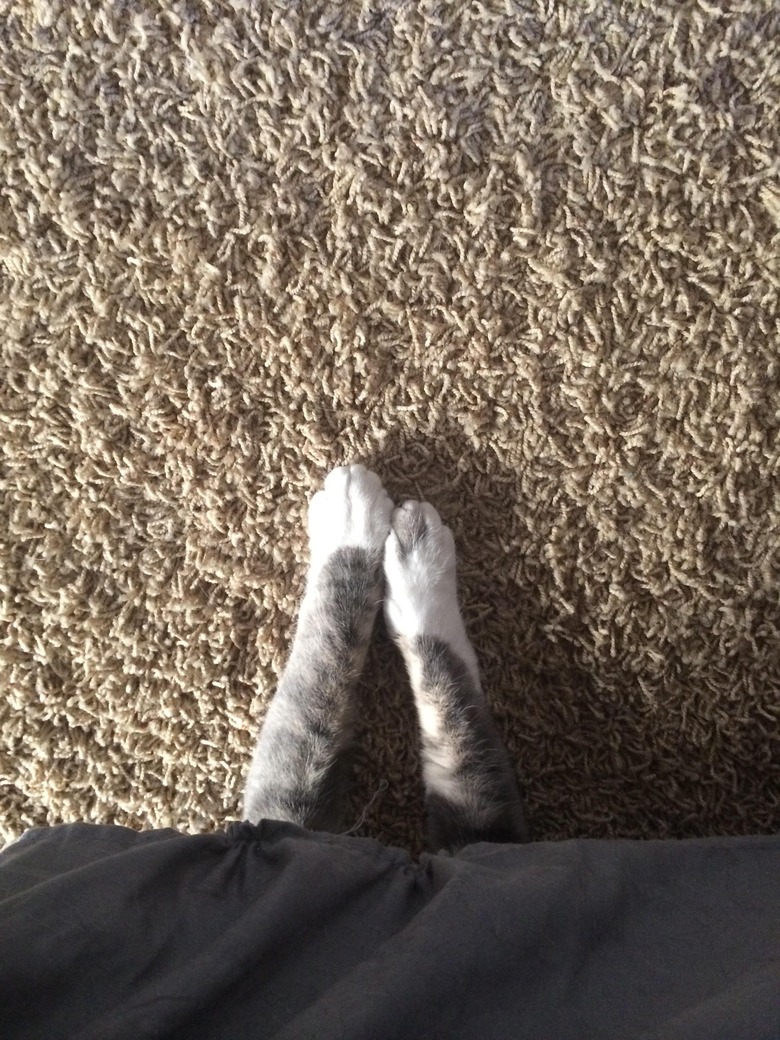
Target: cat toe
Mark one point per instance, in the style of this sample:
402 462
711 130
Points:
409 525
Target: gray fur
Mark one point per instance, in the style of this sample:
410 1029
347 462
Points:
479 799
296 773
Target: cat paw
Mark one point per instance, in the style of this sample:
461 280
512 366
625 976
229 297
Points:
421 596
352 510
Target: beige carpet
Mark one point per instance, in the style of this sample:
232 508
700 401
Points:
521 258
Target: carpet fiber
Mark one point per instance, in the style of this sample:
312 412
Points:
521 259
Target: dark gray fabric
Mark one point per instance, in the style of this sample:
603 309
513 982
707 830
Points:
272 931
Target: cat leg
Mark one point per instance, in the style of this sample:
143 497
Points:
297 769
470 787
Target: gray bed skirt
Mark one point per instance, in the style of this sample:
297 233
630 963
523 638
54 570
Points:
272 931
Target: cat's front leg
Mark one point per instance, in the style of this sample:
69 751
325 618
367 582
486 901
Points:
295 773
470 787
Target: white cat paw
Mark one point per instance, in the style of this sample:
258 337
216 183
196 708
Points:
421 596
352 510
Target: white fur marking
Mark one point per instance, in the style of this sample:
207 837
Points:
352 510
422 597
430 720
